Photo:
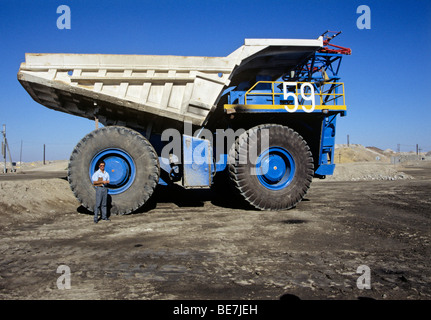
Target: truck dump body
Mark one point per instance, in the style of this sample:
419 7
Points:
138 91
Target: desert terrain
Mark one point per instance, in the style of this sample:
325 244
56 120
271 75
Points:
196 244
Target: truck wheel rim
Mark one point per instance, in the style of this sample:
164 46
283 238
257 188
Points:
275 168
120 166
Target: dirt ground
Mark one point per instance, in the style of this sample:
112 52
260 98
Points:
194 244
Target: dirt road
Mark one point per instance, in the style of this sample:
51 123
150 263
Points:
196 245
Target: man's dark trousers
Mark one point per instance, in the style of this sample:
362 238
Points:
101 199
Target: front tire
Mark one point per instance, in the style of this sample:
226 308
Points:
131 162
272 177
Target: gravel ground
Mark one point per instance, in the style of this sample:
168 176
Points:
194 244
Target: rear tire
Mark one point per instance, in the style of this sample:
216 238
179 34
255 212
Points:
279 175
130 160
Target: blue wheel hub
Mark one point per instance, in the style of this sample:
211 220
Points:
275 168
120 167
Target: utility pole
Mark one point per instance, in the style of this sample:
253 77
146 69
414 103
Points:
5 146
3 152
43 154
348 142
20 156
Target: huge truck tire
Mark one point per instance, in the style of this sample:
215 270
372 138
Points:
271 175
130 160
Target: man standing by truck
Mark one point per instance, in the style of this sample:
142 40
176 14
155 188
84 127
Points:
100 180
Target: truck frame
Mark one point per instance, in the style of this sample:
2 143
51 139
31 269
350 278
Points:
261 119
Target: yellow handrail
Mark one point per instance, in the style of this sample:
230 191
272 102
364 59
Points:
330 92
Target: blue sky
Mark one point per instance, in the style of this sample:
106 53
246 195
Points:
386 77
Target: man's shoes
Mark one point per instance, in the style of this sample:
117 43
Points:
96 221
107 219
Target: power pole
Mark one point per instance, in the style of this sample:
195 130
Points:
44 154
348 142
20 156
5 146
3 152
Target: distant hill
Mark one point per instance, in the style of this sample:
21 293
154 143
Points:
359 153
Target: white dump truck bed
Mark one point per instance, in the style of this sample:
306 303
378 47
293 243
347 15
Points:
136 90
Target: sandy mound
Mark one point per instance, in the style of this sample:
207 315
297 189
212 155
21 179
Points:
355 162
21 199
359 153
360 171
54 165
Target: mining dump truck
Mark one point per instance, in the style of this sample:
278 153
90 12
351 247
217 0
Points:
263 118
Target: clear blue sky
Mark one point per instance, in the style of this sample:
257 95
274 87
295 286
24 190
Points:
386 78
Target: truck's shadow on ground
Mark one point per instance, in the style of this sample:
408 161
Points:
194 198
183 198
